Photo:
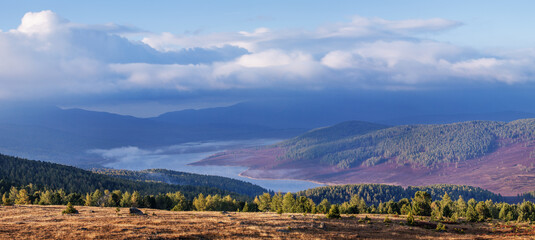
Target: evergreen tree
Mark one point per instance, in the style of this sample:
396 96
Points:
460 206
181 204
46 198
6 201
324 206
482 211
88 200
276 202
436 213
288 202
471 214
245 207
263 201
126 200
493 208
446 205
96 198
136 199
334 212
526 212
13 194
23 197
506 212
421 203
200 202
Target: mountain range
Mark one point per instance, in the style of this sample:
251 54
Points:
67 135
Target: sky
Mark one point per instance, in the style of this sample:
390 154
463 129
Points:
144 58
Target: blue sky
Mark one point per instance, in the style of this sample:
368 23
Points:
166 55
486 23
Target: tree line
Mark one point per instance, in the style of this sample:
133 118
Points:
183 178
376 193
421 204
44 175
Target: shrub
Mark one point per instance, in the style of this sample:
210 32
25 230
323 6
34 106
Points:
410 219
441 227
70 209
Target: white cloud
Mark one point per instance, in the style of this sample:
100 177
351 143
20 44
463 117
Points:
43 22
338 60
47 55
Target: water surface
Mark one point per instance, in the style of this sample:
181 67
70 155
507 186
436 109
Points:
177 157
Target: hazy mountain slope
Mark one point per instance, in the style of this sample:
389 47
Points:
417 145
65 136
497 156
183 178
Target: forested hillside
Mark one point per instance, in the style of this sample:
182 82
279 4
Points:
374 194
363 144
183 178
21 172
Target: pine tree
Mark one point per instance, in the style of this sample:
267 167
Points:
23 197
421 203
334 212
199 202
288 203
5 200
46 198
482 211
460 206
471 214
96 198
245 207
13 194
88 200
263 202
136 199
324 206
446 206
276 202
126 200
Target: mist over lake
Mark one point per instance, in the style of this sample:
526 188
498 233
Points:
177 157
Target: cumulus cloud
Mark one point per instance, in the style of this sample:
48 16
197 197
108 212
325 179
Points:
47 55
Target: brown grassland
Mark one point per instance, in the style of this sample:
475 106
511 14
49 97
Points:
47 222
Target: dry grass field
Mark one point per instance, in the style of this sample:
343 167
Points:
47 222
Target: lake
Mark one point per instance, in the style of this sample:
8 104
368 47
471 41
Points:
177 157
